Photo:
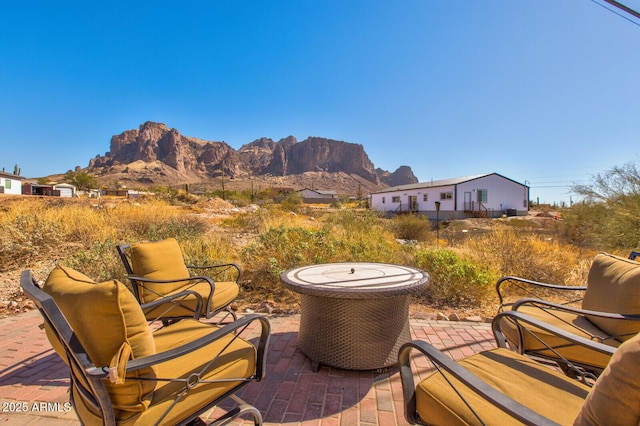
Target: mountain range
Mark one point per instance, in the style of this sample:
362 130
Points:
155 154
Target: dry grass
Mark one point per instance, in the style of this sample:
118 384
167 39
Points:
266 241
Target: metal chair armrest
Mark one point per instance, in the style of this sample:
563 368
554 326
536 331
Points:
560 307
498 399
534 284
168 299
223 266
218 333
519 318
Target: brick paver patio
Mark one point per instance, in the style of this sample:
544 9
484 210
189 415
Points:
34 381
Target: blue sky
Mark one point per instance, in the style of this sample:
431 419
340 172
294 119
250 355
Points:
544 92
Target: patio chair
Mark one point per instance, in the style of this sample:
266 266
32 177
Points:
122 372
500 386
157 269
607 311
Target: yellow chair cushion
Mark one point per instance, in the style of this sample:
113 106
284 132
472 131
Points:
567 321
615 398
613 286
161 260
238 361
540 388
103 317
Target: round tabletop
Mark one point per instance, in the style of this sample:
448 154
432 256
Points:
355 280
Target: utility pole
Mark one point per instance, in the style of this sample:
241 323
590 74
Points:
223 180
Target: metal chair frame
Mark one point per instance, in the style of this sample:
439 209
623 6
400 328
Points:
96 395
443 363
137 282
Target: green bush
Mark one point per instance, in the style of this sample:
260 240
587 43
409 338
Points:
281 248
454 281
100 262
411 227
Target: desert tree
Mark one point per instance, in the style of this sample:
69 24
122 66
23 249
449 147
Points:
614 196
81 179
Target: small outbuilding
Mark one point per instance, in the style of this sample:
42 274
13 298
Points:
488 195
64 190
49 190
317 196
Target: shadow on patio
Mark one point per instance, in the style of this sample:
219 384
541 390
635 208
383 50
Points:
291 393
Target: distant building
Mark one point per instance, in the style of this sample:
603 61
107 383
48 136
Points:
49 190
10 183
64 190
488 195
106 192
317 196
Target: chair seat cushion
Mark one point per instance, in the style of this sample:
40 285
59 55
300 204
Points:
237 361
103 317
567 321
540 388
225 293
613 286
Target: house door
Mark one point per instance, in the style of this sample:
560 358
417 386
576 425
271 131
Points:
413 203
468 204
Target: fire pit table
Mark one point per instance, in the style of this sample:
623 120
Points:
353 316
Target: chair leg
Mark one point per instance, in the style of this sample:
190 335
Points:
242 409
226 312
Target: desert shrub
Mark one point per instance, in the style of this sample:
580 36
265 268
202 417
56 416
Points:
99 261
411 227
617 224
536 257
187 197
209 250
33 229
283 248
25 237
153 221
361 236
454 281
354 221
181 229
345 236
292 202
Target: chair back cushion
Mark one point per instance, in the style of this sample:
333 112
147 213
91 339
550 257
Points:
615 398
614 286
161 260
104 316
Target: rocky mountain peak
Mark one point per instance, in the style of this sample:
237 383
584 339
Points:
197 159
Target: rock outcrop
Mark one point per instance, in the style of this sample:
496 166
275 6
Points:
155 143
402 176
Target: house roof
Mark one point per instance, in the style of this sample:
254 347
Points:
319 191
10 176
439 183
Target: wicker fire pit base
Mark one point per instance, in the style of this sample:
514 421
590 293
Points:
353 316
354 334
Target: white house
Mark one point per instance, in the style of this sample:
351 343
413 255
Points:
488 195
10 183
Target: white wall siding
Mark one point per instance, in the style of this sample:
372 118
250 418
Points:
15 186
502 194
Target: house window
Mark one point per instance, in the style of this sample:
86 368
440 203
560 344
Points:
425 197
7 183
395 199
482 195
383 200
446 195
